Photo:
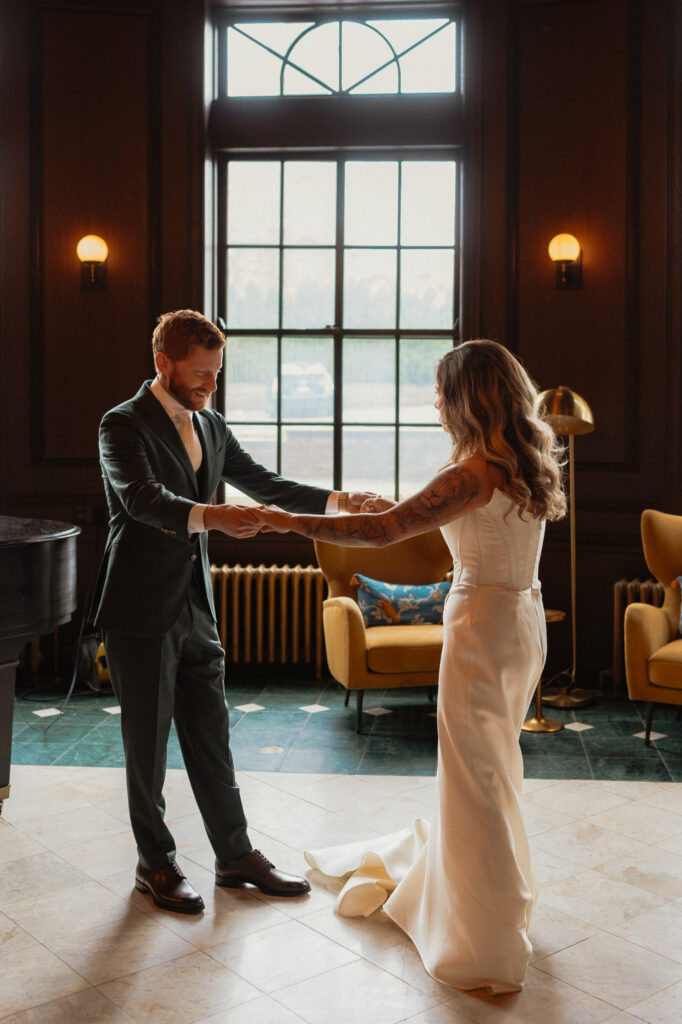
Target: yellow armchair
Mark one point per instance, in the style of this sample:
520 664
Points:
653 655
380 657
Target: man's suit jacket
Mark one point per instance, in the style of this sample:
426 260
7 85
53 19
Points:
150 487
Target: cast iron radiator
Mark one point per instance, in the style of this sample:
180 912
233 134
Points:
270 613
627 592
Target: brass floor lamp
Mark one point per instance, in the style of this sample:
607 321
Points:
568 414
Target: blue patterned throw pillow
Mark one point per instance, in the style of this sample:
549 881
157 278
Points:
399 604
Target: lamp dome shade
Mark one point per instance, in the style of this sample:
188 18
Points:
92 249
564 247
566 412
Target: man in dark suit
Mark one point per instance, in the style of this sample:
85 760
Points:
163 454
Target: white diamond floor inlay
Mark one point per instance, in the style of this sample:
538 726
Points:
113 711
312 709
578 726
378 711
652 735
246 708
46 712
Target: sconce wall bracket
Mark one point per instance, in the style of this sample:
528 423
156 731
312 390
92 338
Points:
569 274
93 276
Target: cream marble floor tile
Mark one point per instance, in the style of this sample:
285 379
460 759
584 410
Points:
323 828
276 810
634 790
544 820
178 992
342 794
662 1008
63 829
650 868
67 911
548 867
398 785
543 1000
586 843
577 798
229 913
281 955
445 1013
29 977
658 930
290 782
612 969
363 936
323 893
13 938
102 858
641 820
131 943
262 1010
669 799
15 844
552 930
359 992
35 793
86 1007
533 785
597 900
34 875
403 961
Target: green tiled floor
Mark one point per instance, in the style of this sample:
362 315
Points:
284 738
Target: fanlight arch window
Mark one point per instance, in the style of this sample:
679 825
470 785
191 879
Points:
374 56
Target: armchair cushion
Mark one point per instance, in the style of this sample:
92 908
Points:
397 604
407 649
665 666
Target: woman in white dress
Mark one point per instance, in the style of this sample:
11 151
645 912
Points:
463 890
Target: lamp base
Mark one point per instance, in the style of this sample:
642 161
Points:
567 695
542 725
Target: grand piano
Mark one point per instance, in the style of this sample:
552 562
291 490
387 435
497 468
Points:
37 594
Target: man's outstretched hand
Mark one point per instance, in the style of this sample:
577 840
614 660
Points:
234 520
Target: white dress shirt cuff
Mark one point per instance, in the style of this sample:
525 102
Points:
195 520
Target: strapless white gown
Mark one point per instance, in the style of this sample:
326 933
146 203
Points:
462 888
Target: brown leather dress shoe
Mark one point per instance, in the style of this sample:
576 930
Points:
169 888
257 869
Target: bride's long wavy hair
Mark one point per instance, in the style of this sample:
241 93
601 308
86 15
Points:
489 408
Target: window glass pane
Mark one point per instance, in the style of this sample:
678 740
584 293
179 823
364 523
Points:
278 35
371 202
405 32
423 452
307 379
307 455
295 83
308 284
250 368
369 380
426 289
317 52
369 459
261 444
427 208
385 81
364 50
252 288
253 202
369 288
309 203
430 67
251 70
418 360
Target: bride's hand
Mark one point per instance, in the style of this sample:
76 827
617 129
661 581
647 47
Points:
273 519
377 504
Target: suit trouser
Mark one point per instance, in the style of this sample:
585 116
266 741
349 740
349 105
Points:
180 677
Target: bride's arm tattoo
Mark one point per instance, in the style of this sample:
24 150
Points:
443 499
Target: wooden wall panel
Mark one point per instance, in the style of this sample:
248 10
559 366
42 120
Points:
97 131
573 176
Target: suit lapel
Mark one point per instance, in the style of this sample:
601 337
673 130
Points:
166 432
207 467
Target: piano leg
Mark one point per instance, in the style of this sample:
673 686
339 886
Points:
9 659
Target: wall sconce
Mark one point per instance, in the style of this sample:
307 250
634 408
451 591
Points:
565 251
92 252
